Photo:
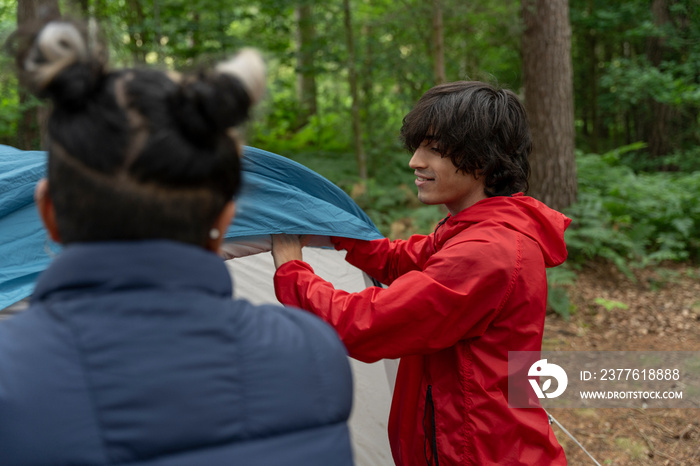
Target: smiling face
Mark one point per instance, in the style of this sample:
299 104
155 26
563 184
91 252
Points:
440 182
482 129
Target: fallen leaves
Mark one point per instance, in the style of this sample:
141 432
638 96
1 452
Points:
659 311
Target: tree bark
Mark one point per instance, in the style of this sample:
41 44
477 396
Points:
591 43
438 44
352 77
81 6
138 35
661 113
29 128
548 80
306 73
367 98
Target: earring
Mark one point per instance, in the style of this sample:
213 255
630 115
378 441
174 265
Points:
47 248
214 233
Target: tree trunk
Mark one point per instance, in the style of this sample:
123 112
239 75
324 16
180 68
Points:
306 73
658 130
29 128
158 33
591 43
138 35
548 80
81 6
438 44
352 77
367 93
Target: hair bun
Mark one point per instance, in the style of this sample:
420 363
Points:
249 67
57 46
57 62
211 103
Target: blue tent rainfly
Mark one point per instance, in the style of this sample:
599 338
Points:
278 196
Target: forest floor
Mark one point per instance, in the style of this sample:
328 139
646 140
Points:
659 311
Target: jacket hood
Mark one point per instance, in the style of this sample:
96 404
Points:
526 215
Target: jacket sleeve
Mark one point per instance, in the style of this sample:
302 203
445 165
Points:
456 296
387 260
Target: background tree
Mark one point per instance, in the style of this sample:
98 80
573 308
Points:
438 43
352 79
658 125
306 71
28 128
548 83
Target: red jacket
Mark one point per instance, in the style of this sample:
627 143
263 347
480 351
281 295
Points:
457 301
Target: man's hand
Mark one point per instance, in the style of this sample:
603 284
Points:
286 248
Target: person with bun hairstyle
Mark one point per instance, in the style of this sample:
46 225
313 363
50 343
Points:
132 350
458 300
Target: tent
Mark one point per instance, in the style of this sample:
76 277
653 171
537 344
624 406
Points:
277 196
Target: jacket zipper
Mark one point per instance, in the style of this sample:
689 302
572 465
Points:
442 222
429 430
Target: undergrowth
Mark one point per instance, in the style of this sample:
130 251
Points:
633 220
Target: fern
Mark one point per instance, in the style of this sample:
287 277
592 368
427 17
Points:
633 220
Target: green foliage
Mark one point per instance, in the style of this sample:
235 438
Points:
633 80
559 279
630 219
10 111
687 160
388 198
395 210
610 305
635 70
385 204
394 67
339 167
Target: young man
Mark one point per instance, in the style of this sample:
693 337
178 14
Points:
457 300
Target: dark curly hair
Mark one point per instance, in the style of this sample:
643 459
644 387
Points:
480 128
136 153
